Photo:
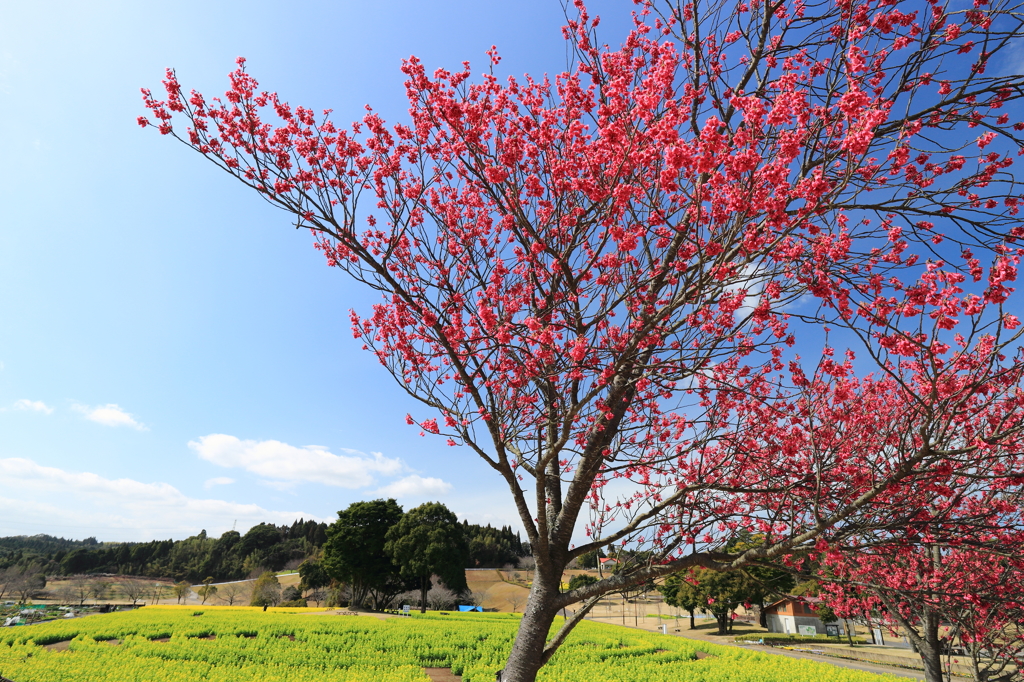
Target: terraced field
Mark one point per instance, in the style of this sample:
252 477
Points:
242 644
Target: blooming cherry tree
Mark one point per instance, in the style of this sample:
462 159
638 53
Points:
956 602
598 282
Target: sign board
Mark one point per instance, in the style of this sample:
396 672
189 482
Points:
405 608
876 634
808 630
832 630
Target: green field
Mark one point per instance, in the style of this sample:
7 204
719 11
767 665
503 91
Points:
223 644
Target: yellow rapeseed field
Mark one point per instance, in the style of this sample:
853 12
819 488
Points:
242 644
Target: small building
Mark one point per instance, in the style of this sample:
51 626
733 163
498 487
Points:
796 616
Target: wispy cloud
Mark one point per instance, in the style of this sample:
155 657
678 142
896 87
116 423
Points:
415 486
33 406
38 498
109 415
220 480
282 463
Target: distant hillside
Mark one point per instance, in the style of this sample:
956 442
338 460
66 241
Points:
26 549
232 556
41 544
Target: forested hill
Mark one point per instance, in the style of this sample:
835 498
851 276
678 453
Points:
493 547
232 556
41 544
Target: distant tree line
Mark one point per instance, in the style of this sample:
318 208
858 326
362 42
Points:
232 556
493 547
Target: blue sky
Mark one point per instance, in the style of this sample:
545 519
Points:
174 356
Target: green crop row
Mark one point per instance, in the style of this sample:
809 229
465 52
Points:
249 645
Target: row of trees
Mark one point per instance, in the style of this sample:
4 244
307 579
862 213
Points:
951 604
23 550
21 582
232 556
720 593
951 600
750 271
379 551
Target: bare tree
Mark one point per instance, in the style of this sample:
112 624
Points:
98 589
132 589
80 588
65 593
412 598
440 598
515 600
234 592
155 591
27 582
6 577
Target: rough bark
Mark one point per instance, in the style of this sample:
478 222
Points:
528 652
926 641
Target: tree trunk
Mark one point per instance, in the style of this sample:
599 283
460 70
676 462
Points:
693 620
723 623
928 645
527 654
932 659
358 594
424 586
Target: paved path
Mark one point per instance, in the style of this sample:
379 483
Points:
842 663
839 662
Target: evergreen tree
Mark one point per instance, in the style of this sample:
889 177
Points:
354 552
429 540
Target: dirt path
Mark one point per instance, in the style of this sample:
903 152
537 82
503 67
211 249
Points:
346 612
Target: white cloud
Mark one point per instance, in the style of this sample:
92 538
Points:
415 486
33 405
37 498
220 480
282 462
109 415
